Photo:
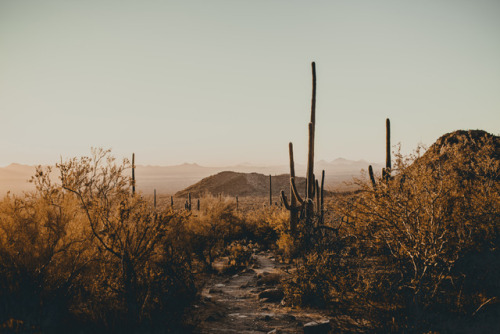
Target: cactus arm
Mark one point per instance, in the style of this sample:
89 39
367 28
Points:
314 187
372 177
318 203
285 201
322 211
310 162
295 192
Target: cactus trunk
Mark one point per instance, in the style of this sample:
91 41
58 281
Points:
270 191
133 173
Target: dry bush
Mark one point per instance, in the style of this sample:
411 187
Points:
212 229
219 230
90 252
417 253
422 229
43 252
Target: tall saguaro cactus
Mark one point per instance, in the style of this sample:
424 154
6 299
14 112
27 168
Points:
312 125
297 204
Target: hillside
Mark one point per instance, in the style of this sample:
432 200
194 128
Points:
241 184
461 152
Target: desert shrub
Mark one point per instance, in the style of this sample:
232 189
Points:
219 230
261 225
415 253
88 251
424 227
43 252
311 284
239 254
213 229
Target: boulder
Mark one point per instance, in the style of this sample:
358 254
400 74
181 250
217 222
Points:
317 327
272 295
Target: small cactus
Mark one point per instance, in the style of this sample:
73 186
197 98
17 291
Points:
386 172
270 192
133 173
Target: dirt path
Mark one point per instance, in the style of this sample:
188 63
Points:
249 302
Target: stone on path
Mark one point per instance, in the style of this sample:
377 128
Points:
317 327
272 295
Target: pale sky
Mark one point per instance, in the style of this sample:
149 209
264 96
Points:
227 82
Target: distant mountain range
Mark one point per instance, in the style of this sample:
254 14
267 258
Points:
171 179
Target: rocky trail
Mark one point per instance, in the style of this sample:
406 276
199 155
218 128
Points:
250 302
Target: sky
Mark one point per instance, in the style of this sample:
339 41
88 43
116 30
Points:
228 82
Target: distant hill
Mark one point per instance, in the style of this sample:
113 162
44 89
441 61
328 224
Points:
241 184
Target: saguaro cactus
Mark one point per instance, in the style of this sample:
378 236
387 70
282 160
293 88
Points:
270 191
297 204
386 172
293 207
133 173
388 145
154 202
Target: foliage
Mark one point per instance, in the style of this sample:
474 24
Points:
415 252
88 253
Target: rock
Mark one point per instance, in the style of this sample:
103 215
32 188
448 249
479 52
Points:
212 291
262 274
289 317
273 295
214 317
317 327
269 279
